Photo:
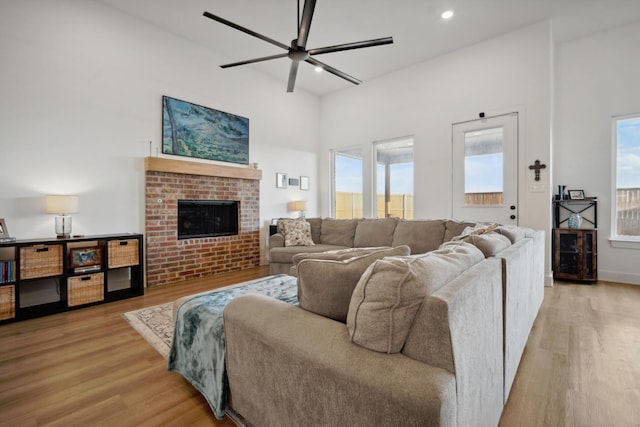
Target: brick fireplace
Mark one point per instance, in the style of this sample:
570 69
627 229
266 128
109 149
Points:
170 259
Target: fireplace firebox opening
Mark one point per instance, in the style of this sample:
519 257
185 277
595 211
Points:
207 218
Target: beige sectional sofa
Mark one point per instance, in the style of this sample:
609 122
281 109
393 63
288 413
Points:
332 234
454 363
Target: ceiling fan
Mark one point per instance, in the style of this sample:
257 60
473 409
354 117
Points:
297 51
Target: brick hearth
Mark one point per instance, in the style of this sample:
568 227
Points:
171 260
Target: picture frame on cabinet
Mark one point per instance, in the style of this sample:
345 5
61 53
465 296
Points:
4 232
89 256
576 195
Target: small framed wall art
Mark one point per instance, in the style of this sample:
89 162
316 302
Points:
304 183
293 182
281 180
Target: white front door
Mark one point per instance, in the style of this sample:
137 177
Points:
485 169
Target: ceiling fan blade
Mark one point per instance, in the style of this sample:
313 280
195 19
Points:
251 61
293 72
333 71
305 22
349 46
245 30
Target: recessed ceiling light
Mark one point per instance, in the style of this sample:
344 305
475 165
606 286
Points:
318 69
447 14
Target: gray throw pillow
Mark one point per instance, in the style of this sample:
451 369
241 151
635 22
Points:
390 293
325 285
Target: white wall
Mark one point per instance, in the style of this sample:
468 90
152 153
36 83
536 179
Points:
81 87
597 77
511 72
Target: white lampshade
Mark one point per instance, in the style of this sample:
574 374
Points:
61 205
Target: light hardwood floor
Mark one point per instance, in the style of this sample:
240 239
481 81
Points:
88 367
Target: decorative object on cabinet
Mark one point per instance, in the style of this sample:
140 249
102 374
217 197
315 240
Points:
62 205
281 180
575 251
46 276
304 183
195 131
4 232
85 258
576 195
575 220
561 192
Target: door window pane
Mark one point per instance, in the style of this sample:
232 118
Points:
483 167
627 208
394 178
348 183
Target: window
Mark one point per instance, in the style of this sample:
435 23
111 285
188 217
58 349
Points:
394 178
626 158
483 167
348 183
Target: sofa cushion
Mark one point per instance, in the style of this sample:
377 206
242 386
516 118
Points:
325 283
338 254
374 232
421 235
316 225
338 232
297 233
390 293
490 243
512 232
455 228
285 254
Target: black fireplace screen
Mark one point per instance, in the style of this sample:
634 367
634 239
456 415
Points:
207 218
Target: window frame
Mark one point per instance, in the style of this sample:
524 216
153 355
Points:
341 151
616 240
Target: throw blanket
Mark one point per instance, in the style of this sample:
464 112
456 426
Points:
198 349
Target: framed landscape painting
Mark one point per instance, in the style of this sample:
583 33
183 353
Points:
195 131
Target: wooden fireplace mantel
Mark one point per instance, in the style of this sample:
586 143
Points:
161 164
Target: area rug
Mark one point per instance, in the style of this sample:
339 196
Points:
155 324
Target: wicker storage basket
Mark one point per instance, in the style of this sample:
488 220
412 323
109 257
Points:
85 289
123 253
7 302
40 261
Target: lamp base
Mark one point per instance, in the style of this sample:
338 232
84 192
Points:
63 226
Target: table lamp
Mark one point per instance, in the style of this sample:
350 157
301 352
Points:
299 206
61 206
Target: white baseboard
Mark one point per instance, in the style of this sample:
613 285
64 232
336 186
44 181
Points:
616 276
548 280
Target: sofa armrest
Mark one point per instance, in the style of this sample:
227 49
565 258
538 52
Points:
276 240
287 366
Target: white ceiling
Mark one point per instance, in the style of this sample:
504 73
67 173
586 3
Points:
415 25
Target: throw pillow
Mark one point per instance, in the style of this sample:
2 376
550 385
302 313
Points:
490 243
390 293
326 282
297 233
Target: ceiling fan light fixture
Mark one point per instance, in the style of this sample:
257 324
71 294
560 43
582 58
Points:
297 50
447 14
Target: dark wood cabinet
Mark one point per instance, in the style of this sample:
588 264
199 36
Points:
575 250
46 276
575 254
